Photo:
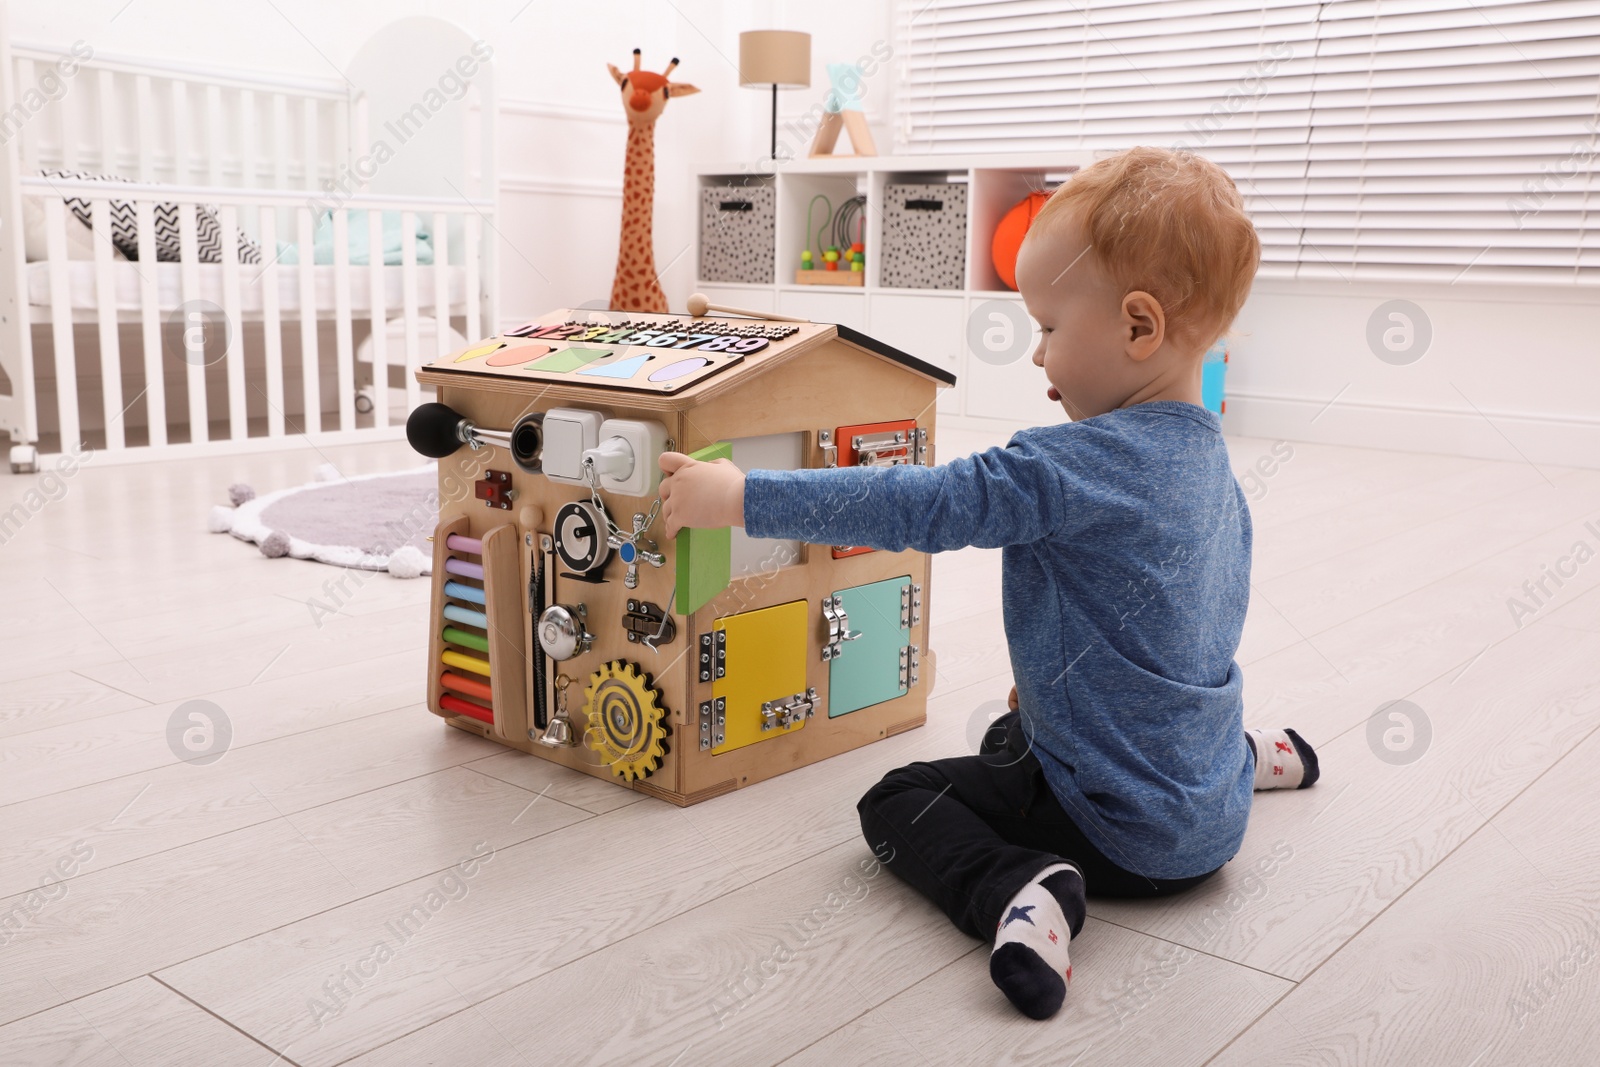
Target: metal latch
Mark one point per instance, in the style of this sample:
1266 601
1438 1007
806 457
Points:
910 605
713 722
644 620
908 666
779 714
888 448
838 627
885 449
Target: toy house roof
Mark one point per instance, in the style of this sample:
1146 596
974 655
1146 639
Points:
889 352
647 359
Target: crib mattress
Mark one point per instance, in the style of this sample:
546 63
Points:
84 294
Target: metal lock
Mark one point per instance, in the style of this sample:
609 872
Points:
784 713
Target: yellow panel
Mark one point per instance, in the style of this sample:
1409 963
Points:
766 660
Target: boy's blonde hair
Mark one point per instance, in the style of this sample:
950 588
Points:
1172 224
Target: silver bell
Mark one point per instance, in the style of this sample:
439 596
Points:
559 733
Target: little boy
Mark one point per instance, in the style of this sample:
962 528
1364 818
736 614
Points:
1124 768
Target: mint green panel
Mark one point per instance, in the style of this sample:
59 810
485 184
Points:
867 670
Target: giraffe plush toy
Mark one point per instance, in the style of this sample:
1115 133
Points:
644 98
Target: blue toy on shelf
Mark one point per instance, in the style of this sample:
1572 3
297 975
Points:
1211 378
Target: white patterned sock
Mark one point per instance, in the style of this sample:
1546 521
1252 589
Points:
1283 759
1029 962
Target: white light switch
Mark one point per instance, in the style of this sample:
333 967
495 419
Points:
568 433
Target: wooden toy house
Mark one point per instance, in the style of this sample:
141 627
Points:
565 624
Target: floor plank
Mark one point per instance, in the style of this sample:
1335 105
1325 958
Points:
113 925
141 1022
308 778
48 761
57 699
1133 1000
1335 679
1488 959
744 978
1424 907
530 908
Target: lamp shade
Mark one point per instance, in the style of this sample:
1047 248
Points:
775 57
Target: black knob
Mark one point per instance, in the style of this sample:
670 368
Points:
433 430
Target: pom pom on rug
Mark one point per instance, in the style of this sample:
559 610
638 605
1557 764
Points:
408 562
275 544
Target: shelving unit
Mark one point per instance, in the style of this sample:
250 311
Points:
932 324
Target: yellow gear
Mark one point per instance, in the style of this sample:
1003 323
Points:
627 724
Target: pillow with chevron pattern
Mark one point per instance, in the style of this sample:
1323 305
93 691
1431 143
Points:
125 225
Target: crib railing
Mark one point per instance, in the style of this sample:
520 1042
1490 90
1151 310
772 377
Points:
458 292
168 122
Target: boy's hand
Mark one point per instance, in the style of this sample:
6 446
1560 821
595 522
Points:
1011 701
700 495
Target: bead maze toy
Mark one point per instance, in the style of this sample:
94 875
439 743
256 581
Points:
564 624
844 261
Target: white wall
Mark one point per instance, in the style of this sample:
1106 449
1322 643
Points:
1511 373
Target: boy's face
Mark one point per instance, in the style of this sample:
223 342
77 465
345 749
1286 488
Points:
1092 342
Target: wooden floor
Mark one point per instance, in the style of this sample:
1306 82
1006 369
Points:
294 901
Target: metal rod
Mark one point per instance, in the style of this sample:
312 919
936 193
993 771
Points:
488 437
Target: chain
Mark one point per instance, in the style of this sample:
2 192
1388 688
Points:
594 496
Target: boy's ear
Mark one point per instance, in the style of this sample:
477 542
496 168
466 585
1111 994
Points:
1145 324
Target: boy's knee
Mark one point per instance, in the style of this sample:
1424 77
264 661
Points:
900 780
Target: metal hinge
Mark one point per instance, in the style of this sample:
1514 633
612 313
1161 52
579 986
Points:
910 605
908 666
779 714
713 655
830 451
919 446
713 722
838 628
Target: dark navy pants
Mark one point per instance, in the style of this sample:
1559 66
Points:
969 832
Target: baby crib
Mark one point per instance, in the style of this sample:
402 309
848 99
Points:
199 261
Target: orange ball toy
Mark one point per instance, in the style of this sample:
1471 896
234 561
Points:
1009 234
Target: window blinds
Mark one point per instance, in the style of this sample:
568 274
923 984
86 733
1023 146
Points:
1415 139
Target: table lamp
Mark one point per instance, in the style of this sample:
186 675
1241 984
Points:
779 58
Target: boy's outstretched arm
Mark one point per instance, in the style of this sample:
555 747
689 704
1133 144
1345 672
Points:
1004 496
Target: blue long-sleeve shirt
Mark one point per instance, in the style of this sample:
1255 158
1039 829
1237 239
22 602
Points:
1125 574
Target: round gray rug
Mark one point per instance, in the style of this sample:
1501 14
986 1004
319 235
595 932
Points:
367 521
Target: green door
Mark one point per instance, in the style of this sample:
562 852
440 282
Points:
871 658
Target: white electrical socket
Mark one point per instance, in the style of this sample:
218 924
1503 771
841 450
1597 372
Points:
568 433
647 440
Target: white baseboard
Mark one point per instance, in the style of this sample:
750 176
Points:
534 184
1000 428
289 442
1543 440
